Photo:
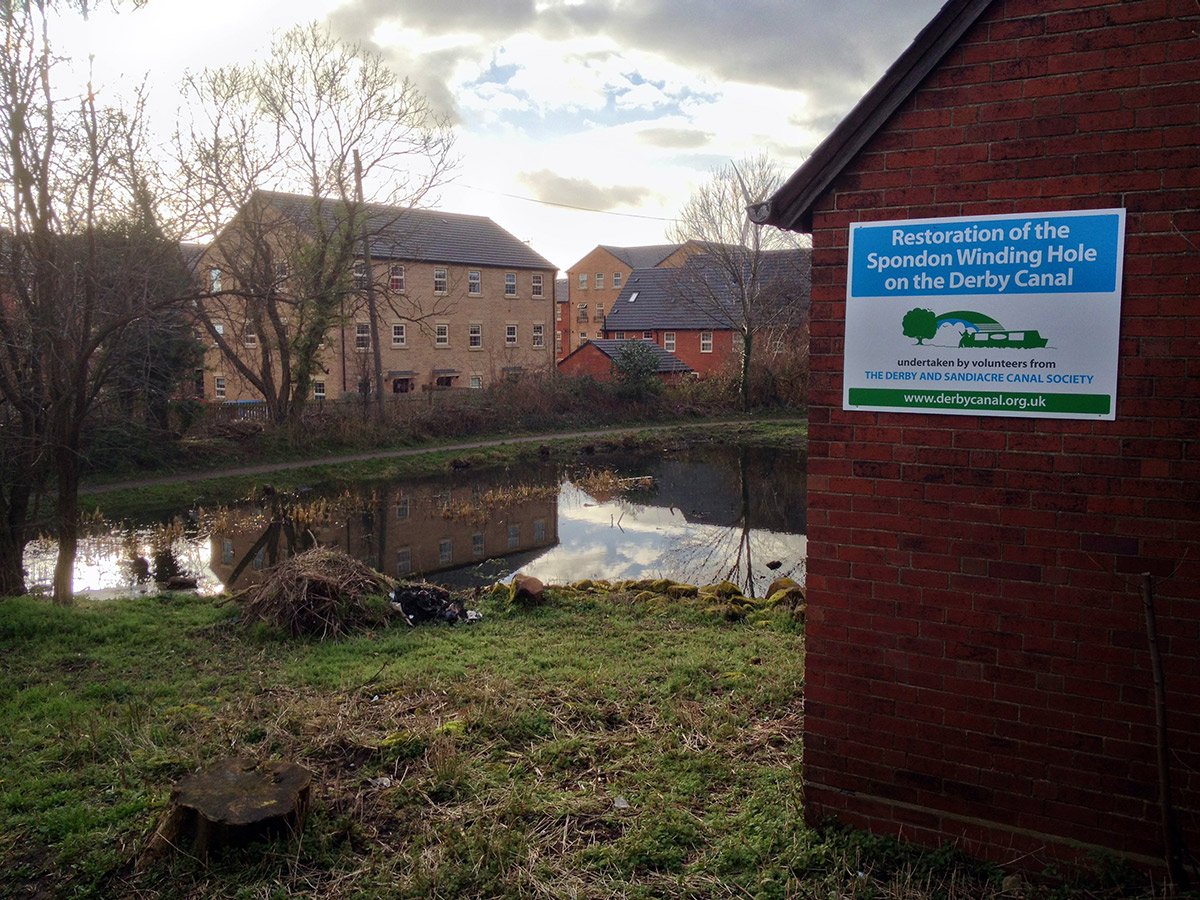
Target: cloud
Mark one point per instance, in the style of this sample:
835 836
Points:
553 188
675 138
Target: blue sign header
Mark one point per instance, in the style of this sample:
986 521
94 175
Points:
1054 253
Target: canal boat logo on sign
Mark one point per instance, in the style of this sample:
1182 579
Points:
1014 315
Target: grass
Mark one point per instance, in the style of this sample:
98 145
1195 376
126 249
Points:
589 747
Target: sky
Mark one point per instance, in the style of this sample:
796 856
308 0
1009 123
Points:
578 122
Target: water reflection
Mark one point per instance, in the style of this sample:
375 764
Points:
699 516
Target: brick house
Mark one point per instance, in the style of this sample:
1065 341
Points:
462 301
595 282
978 668
596 358
692 311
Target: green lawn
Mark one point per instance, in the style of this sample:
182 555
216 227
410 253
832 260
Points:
589 747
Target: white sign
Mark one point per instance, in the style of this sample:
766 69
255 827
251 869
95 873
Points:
1013 315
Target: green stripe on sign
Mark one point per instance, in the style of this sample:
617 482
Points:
983 401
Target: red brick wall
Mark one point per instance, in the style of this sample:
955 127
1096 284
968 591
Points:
587 360
977 665
725 346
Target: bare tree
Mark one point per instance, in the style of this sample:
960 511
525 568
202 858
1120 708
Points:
744 276
331 122
84 260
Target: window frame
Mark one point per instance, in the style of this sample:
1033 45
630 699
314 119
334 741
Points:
539 336
583 281
441 335
669 341
616 282
362 338
474 283
219 392
397 279
706 337
510 335
475 336
399 334
510 284
318 389
441 280
538 289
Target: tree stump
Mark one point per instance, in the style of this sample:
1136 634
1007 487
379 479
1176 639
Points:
235 801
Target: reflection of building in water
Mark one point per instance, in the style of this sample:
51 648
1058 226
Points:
416 529
431 528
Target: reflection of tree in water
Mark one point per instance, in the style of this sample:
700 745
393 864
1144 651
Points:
715 553
289 530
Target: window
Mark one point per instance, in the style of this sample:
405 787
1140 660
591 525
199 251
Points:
539 530
399 334
441 499
558 312
583 335
706 342
539 290
514 536
582 281
445 551
510 335
439 280
360 274
599 281
401 385
281 271
444 381
318 390
362 336
249 338
396 279
647 335
669 341
477 544
599 313
476 382
214 279
403 508
474 283
620 335
510 284
403 562
227 551
475 337
539 337
219 387
558 342
441 335
616 279
581 313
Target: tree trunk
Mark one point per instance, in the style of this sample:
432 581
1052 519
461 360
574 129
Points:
747 346
68 524
12 561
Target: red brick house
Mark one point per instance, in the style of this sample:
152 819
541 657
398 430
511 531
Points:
692 311
597 358
978 665
595 282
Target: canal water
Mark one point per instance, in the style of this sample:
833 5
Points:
698 515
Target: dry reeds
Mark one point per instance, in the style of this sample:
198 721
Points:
320 593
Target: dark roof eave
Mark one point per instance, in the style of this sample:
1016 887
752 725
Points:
791 206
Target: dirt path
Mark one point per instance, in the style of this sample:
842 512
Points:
267 468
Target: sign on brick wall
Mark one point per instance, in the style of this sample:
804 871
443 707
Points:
1013 315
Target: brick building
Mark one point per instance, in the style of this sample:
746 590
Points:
595 282
978 667
596 359
462 302
693 310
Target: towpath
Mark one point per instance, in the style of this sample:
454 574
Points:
268 468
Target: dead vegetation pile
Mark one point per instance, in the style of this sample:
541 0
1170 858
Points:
320 593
